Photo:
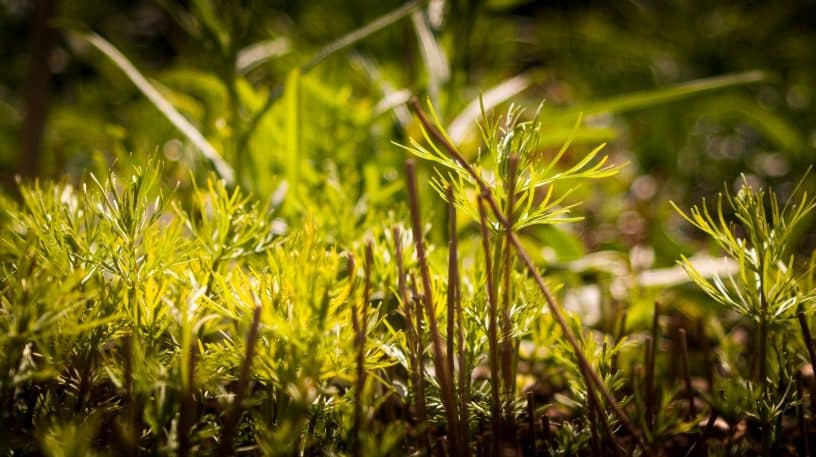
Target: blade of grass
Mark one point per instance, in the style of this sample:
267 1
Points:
432 55
257 53
652 97
292 127
223 169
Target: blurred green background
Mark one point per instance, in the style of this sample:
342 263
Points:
251 77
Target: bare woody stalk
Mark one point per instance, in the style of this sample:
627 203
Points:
413 340
453 280
132 410
800 410
507 344
594 378
420 354
455 318
684 356
231 422
701 439
359 320
356 449
187 411
648 376
808 338
445 384
531 426
651 357
492 332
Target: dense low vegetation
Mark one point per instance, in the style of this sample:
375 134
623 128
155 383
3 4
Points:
316 263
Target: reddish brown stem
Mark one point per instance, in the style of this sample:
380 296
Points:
492 333
455 320
453 280
684 358
555 310
803 428
700 442
231 422
807 337
507 344
650 367
360 323
708 360
422 414
187 412
410 328
545 429
445 384
648 375
531 422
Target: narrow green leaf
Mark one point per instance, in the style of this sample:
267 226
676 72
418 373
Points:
180 122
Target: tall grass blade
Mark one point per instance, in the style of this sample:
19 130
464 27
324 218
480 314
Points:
653 97
223 169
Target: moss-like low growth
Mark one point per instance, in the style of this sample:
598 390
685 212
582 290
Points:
140 319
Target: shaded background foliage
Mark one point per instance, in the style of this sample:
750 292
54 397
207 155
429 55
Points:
572 52
308 127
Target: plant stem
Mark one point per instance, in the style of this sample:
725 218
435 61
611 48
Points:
231 422
531 429
708 362
709 427
803 428
445 384
648 376
422 414
808 338
453 280
492 332
455 314
684 358
806 335
545 428
762 354
507 346
359 319
185 423
539 280
410 330
650 367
